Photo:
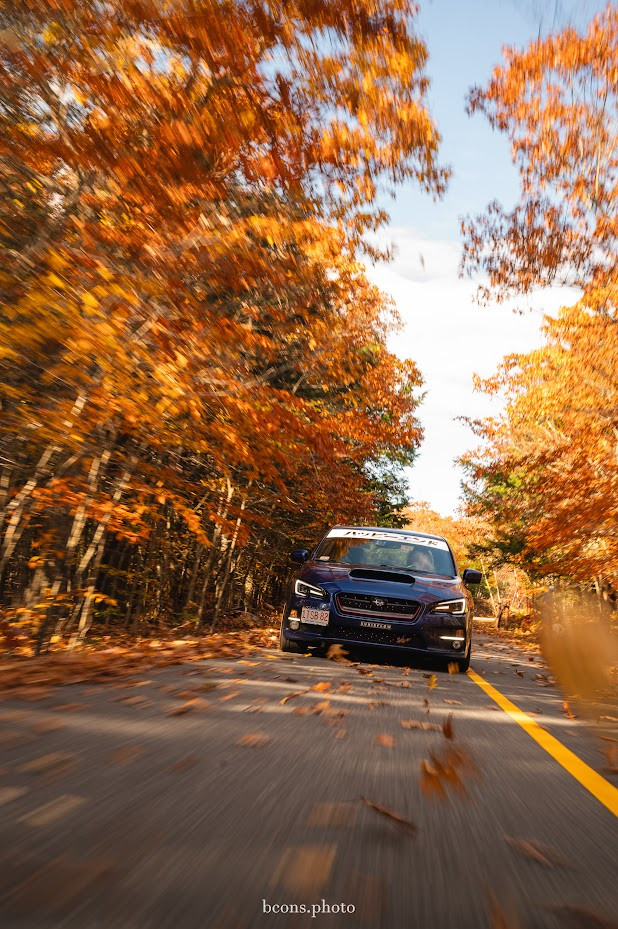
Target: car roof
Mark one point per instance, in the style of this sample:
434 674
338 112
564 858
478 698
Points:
426 535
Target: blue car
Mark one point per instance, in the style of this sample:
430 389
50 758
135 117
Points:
395 588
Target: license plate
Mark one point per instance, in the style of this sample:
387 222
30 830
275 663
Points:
310 615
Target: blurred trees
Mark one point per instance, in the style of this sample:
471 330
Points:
546 473
194 365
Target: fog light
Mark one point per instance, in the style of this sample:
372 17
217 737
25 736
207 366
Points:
294 624
457 643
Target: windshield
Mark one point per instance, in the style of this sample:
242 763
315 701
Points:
378 549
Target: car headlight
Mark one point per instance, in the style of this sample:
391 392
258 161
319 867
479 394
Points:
449 606
301 589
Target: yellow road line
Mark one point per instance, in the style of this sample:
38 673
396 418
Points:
605 792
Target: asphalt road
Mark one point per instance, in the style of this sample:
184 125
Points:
126 806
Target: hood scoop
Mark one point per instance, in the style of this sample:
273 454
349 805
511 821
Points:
378 574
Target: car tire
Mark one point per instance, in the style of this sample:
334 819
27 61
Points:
286 645
464 663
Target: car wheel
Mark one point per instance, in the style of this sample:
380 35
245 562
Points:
286 645
464 663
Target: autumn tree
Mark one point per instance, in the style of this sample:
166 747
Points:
546 473
557 103
187 337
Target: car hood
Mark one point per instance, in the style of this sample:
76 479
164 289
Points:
425 589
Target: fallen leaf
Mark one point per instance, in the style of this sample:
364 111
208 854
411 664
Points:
50 812
53 762
254 739
390 815
519 673
386 741
230 696
426 705
321 686
501 915
454 702
336 653
284 700
47 725
433 680
125 754
8 794
340 734
431 782
304 870
447 727
567 709
537 851
418 724
135 701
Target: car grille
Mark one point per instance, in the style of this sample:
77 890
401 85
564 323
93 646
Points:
378 636
372 605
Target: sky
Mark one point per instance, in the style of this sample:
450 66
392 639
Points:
447 334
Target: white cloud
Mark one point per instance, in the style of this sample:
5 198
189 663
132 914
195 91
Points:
451 338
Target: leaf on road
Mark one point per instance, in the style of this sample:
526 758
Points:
453 702
293 696
336 653
364 670
501 915
182 709
431 782
433 680
567 709
304 870
8 794
426 705
447 727
135 701
446 771
321 686
230 696
419 724
386 741
52 763
50 812
537 851
125 754
47 725
254 739
390 815
332 814
340 734
519 673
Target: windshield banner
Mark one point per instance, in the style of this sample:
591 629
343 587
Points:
385 534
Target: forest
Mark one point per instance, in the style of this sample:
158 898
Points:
196 372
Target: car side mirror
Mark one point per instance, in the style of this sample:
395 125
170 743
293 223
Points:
470 576
299 555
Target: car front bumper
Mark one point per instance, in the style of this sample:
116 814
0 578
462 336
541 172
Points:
436 634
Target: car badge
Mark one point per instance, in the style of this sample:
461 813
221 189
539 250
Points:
379 602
